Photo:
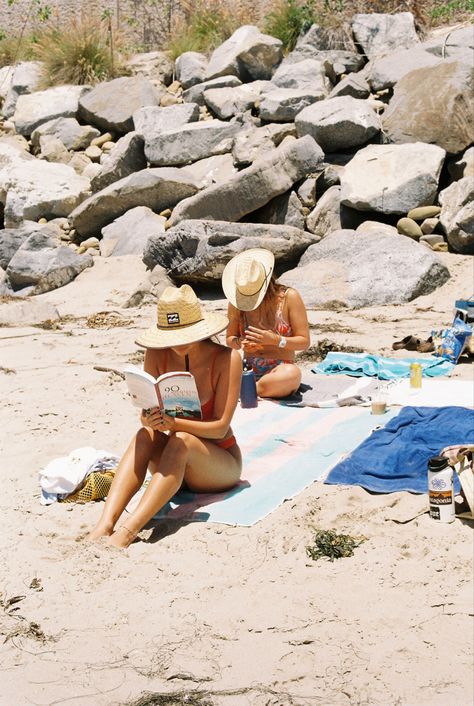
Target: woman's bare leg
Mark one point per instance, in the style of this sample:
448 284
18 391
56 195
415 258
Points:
128 478
279 382
204 466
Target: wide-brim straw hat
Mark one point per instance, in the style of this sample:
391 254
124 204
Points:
181 321
246 278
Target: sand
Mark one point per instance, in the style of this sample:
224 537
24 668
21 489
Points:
241 614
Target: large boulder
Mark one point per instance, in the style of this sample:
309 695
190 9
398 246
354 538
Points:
284 104
227 102
271 175
110 105
457 214
191 68
153 120
33 188
32 109
188 143
378 33
42 263
195 94
73 135
392 178
23 78
129 234
386 71
125 158
248 54
452 43
353 85
197 251
156 66
211 170
433 105
338 123
156 188
252 143
356 269
308 74
12 238
285 209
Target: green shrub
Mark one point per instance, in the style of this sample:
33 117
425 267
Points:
80 53
13 49
203 28
288 20
448 10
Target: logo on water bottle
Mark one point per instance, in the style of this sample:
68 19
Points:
438 484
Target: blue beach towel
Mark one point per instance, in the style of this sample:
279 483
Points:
395 458
358 364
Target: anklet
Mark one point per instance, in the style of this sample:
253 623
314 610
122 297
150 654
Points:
133 535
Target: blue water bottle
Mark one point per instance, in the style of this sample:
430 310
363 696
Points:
248 387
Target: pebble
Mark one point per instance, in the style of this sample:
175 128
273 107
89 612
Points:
440 247
109 145
93 152
166 213
428 225
422 212
92 242
169 99
432 239
407 226
42 221
98 141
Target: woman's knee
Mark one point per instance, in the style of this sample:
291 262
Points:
180 443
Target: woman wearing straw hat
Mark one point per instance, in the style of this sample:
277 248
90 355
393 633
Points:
267 320
202 454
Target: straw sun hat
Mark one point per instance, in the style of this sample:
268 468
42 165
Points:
246 277
180 320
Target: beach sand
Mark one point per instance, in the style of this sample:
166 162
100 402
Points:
241 614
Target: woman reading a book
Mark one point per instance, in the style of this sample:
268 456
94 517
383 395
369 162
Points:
266 320
201 454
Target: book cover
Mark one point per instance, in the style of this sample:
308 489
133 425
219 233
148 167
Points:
175 392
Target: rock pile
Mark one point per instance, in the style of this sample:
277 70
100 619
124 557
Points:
351 164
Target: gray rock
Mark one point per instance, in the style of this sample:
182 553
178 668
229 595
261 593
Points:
197 251
248 54
73 135
308 74
429 225
106 106
151 121
17 141
156 188
12 238
211 170
31 189
356 269
129 234
326 217
433 105
27 312
386 71
452 43
353 85
338 63
191 68
189 143
227 102
284 104
195 94
252 143
248 190
320 38
392 178
307 192
338 123
42 263
464 166
6 75
156 66
24 78
457 215
432 239
53 150
378 33
5 289
285 210
125 158
36 108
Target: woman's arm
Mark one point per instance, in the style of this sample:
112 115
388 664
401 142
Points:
233 339
297 318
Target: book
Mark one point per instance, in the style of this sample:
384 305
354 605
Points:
175 393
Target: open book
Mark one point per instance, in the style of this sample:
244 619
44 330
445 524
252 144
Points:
175 393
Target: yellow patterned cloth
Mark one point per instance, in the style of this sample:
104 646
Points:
95 487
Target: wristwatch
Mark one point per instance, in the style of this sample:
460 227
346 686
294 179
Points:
282 342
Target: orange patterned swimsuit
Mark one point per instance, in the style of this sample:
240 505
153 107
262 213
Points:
261 365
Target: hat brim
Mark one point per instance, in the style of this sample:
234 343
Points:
210 325
242 301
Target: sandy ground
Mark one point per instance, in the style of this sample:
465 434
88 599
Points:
238 613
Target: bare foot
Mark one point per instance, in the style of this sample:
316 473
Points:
122 537
100 531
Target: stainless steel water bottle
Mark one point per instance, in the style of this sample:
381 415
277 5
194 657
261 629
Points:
248 387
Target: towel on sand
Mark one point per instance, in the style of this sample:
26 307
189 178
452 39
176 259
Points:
333 391
284 450
359 364
395 458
